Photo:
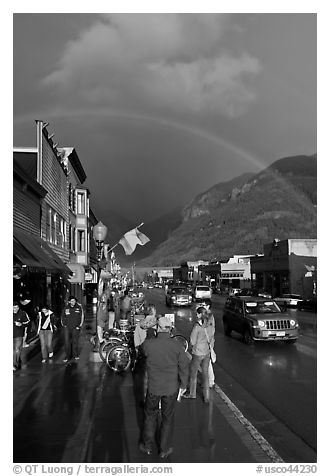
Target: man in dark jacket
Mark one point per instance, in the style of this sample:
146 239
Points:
125 306
167 368
72 319
20 321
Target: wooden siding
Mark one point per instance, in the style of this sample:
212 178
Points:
55 182
26 210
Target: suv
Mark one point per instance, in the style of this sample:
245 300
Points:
202 293
257 319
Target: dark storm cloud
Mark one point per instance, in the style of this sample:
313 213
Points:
162 106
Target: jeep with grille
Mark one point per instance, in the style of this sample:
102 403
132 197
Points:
258 319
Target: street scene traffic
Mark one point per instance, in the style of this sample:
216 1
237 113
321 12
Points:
271 383
165 247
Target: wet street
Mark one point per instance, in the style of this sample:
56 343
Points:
83 412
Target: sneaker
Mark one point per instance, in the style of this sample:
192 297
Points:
65 361
14 368
189 396
51 354
76 358
144 449
44 361
165 454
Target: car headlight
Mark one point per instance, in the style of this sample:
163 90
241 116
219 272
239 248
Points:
292 322
261 323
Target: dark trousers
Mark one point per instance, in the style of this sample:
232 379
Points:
71 340
151 408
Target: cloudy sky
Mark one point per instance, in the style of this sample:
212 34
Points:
161 107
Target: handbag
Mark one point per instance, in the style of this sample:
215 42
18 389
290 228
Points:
213 355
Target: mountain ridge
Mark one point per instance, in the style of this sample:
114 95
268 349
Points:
239 216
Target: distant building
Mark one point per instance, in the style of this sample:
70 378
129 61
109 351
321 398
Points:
236 273
287 266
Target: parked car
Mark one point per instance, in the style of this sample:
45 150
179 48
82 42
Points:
258 319
234 291
290 300
308 304
201 293
178 296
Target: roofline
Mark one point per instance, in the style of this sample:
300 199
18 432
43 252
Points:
30 181
76 164
30 150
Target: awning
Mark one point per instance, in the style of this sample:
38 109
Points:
33 252
78 273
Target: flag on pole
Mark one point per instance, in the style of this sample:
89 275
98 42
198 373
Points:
131 239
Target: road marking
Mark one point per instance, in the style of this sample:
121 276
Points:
262 442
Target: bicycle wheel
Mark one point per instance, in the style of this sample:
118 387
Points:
182 340
118 358
105 346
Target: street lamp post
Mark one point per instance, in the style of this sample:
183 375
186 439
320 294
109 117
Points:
99 234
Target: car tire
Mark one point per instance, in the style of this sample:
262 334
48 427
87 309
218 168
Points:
226 328
247 337
291 341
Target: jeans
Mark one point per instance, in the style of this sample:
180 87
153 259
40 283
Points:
46 338
17 347
203 361
151 409
71 340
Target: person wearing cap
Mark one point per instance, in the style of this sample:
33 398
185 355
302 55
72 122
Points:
167 368
201 340
20 322
72 319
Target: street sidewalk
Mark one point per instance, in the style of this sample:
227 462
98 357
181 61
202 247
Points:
103 415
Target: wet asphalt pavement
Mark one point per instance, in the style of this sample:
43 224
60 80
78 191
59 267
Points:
83 412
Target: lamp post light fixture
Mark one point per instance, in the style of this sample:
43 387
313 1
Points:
99 234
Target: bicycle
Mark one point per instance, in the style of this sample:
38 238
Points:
122 355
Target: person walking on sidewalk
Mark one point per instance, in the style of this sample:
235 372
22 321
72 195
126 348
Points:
46 328
167 366
72 319
201 339
207 306
125 306
20 322
102 318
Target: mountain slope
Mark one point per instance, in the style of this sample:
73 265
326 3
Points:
278 202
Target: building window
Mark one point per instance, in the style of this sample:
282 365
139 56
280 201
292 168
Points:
81 241
81 203
53 236
48 224
70 196
70 237
61 235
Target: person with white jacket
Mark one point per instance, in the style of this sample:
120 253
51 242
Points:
46 328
